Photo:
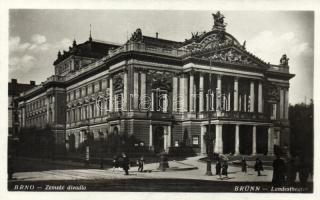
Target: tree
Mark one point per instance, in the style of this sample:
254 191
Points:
301 124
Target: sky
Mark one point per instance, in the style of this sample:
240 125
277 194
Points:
35 36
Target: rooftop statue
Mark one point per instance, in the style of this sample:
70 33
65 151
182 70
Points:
284 60
218 20
137 35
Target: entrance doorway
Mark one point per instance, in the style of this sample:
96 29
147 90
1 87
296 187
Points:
158 139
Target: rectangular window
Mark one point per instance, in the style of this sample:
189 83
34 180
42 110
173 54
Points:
100 85
80 91
74 95
86 90
86 112
92 90
92 110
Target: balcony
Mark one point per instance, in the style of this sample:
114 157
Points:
235 115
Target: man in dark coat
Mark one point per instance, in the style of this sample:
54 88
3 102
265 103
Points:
279 170
218 168
244 165
258 167
125 163
225 168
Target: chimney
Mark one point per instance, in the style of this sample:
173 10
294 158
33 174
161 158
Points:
14 81
33 83
157 34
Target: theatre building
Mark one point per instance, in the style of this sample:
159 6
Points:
164 94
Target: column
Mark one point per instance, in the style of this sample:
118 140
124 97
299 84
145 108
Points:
152 101
229 102
201 93
235 94
169 136
150 137
165 139
218 91
218 148
174 93
125 90
240 103
286 104
181 95
203 142
245 103
251 96
207 102
237 141
185 97
135 90
270 141
191 95
281 103
53 109
254 140
260 98
165 103
143 89
110 95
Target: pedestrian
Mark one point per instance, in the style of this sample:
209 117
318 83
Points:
292 170
303 172
258 167
140 164
218 167
115 163
225 168
279 170
244 165
125 163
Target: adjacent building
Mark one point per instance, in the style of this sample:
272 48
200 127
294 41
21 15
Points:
163 93
14 89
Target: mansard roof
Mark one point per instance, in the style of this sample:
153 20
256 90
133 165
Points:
90 49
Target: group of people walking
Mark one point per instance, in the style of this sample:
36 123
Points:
125 161
258 166
222 168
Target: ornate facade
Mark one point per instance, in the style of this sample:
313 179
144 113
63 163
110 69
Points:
162 92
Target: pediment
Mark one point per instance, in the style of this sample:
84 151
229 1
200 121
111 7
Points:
232 54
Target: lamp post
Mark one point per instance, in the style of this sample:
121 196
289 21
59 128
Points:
209 135
101 149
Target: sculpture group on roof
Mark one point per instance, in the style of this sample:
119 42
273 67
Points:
136 36
284 60
230 56
218 20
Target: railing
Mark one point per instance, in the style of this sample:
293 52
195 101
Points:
279 68
136 46
131 46
55 78
236 115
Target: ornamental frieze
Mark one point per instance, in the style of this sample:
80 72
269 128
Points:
232 56
158 79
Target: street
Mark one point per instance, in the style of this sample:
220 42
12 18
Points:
182 176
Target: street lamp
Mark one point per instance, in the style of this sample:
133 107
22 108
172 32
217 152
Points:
101 136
